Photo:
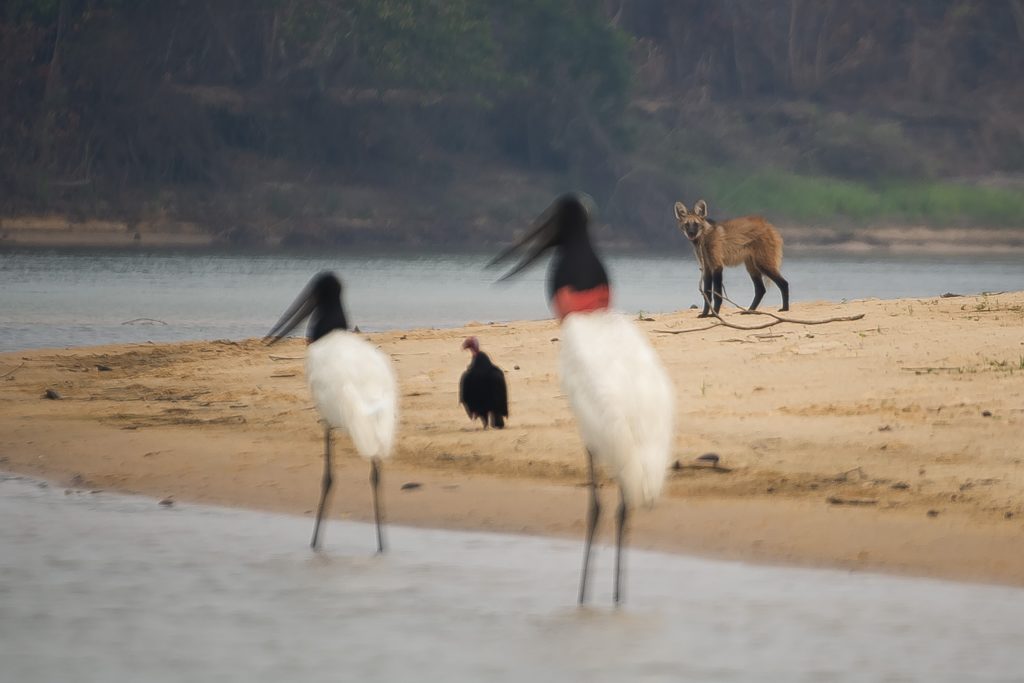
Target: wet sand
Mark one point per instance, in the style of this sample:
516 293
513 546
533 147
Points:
889 443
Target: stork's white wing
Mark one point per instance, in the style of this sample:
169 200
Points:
354 388
622 398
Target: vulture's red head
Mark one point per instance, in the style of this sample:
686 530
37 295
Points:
472 344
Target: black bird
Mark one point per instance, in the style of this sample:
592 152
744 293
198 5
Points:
482 389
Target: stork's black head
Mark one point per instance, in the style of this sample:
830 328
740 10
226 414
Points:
577 280
321 302
562 224
571 217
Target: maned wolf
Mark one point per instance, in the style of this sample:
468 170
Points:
750 240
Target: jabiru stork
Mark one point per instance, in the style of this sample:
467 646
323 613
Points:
482 389
618 389
353 385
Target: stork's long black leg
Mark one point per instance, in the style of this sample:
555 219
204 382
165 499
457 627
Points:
375 483
324 489
619 537
592 513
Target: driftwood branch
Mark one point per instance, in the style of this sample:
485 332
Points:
695 329
931 368
836 500
11 372
143 320
778 319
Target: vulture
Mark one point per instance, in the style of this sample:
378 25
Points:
482 389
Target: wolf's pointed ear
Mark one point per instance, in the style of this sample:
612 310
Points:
680 211
701 208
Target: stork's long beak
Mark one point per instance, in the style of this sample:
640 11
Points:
296 313
543 233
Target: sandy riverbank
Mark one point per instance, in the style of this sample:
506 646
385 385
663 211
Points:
892 442
61 232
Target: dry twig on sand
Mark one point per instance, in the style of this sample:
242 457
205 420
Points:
11 372
778 320
153 321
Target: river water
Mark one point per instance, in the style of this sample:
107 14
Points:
76 298
102 587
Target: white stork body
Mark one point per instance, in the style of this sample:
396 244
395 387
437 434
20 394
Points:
622 399
354 388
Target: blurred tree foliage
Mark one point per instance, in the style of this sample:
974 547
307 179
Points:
150 90
931 50
946 71
118 95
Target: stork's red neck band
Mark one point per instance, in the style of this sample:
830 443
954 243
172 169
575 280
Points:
568 300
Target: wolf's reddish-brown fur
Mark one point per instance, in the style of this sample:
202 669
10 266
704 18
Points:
750 240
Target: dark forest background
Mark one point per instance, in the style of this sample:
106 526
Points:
447 121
